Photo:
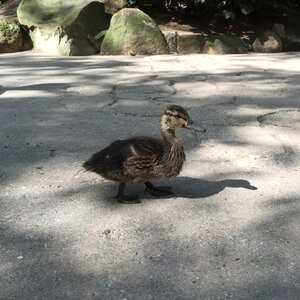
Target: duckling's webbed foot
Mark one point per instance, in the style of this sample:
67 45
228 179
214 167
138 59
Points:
159 191
126 199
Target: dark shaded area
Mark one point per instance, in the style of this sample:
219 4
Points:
240 18
41 268
8 8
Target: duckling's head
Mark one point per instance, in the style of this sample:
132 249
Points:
174 117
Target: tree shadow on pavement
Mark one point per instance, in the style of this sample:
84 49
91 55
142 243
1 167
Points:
52 239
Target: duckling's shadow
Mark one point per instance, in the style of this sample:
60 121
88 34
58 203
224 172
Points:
185 187
188 187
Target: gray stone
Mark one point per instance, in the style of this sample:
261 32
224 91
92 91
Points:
112 6
171 38
62 28
224 45
279 29
10 36
267 42
292 41
188 43
132 32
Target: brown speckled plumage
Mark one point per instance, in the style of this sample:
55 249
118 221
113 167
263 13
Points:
140 159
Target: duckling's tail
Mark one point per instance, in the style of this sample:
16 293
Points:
79 171
88 166
91 166
95 163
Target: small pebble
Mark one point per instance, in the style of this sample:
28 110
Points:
107 232
52 153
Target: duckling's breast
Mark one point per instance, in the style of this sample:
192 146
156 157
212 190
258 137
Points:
172 159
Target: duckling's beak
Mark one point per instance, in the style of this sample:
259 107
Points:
194 128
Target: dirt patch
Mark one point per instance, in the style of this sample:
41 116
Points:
9 8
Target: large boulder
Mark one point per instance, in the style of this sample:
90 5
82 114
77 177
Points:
292 41
171 38
267 42
112 6
63 27
224 45
279 29
188 43
132 32
10 36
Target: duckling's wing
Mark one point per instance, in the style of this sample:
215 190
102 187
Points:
146 154
144 147
139 152
108 159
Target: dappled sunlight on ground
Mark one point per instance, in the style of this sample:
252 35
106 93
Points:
229 231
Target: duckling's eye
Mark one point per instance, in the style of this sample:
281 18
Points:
172 114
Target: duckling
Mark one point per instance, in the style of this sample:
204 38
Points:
141 159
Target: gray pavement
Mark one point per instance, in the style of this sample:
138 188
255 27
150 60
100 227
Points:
230 232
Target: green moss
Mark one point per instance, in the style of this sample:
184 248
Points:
188 44
9 30
224 45
132 31
64 27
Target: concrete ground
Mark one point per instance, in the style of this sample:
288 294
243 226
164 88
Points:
230 232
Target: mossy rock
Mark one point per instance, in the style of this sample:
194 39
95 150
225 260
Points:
64 27
189 43
10 36
132 32
223 45
268 42
112 6
292 41
171 38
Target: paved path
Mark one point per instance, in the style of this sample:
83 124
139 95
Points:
232 231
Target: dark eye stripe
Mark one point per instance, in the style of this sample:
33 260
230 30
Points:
175 115
171 114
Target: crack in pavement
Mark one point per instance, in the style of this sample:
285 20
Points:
171 83
260 119
287 156
128 114
112 94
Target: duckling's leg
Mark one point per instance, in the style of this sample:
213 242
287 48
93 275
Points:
125 198
159 191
